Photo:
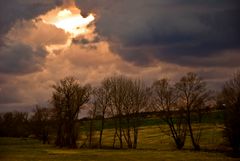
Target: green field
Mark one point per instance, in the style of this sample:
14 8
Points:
153 145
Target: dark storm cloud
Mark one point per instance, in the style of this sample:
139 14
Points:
13 10
9 94
177 31
19 58
22 107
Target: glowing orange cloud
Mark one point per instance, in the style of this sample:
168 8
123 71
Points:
72 22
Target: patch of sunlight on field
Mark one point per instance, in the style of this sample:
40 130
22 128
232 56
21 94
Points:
155 137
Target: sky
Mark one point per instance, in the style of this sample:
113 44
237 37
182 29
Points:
43 41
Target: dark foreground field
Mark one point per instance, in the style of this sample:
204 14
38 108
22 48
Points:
153 145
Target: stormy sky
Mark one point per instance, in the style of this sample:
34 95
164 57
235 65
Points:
148 39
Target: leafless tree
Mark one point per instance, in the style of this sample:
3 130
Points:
193 96
14 124
119 88
128 98
102 102
92 116
68 96
40 123
230 99
165 101
136 103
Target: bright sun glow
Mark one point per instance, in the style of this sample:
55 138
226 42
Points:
73 23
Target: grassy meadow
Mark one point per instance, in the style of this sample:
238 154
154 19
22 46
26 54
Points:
154 144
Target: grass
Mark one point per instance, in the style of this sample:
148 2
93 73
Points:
153 145
212 117
13 149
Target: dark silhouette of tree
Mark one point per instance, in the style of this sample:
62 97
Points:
68 96
128 98
1 125
119 87
230 98
102 102
14 124
40 123
193 97
165 101
91 128
136 102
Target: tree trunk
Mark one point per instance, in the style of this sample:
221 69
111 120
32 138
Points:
101 133
129 142
59 140
135 138
195 145
120 138
114 138
179 143
90 133
120 133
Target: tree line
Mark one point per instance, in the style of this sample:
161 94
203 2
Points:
181 105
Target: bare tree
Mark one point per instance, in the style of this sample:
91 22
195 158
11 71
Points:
137 102
14 124
165 99
92 129
230 98
193 96
128 99
118 85
40 123
128 104
68 97
102 102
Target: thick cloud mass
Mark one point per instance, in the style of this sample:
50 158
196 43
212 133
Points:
13 10
176 31
6 98
18 58
148 39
